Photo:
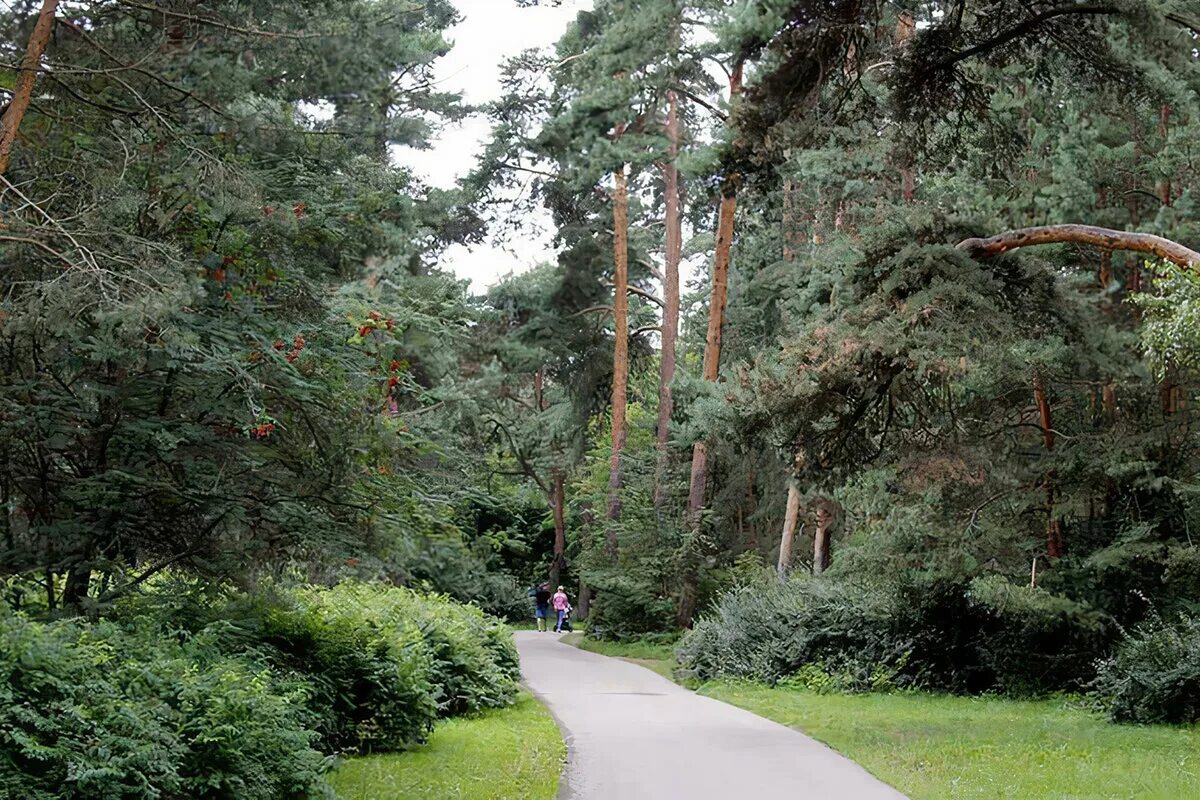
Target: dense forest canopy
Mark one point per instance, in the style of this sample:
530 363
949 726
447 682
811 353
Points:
231 348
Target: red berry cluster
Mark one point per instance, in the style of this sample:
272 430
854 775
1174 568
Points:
395 368
375 321
262 430
297 347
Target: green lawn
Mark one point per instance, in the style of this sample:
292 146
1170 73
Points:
652 655
514 753
935 747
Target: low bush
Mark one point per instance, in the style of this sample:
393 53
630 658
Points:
473 661
100 712
768 631
983 636
626 608
1155 674
372 685
1033 641
385 662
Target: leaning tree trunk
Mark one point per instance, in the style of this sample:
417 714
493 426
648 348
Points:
10 123
670 320
791 518
620 379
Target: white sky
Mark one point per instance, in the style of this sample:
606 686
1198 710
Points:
491 31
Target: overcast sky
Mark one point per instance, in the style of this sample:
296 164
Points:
491 31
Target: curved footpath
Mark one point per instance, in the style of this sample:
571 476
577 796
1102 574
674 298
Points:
633 734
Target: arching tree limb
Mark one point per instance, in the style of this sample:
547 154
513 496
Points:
1107 238
23 92
1026 27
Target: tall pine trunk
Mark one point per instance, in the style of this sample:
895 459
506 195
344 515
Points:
826 514
791 518
558 502
670 321
712 341
10 123
620 379
1054 541
698 480
716 316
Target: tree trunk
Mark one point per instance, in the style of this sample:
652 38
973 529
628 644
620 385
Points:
670 321
1054 543
585 601
620 353
791 517
826 513
79 581
716 314
10 123
712 342
559 501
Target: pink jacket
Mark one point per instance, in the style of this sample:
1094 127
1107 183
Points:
559 601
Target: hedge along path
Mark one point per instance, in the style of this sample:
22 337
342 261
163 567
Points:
634 735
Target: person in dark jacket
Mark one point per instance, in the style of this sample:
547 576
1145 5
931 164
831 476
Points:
541 605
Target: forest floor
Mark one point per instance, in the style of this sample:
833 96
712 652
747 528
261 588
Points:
940 747
513 753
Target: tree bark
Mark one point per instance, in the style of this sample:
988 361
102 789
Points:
559 501
620 379
791 517
79 581
712 342
716 315
670 322
1082 234
826 513
1054 543
23 92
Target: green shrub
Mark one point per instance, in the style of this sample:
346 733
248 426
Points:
473 662
1034 641
385 662
1154 675
768 631
942 634
626 608
98 712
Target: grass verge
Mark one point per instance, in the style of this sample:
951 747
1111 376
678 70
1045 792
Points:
656 656
514 753
935 747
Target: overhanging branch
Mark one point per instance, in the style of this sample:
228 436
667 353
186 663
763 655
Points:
1106 238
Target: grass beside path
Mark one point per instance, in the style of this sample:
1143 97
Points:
935 747
513 753
652 655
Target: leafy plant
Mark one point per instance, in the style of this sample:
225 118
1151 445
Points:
1154 675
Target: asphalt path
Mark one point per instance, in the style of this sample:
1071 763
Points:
633 734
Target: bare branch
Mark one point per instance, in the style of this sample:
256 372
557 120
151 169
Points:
1082 234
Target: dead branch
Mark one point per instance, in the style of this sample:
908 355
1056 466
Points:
1107 238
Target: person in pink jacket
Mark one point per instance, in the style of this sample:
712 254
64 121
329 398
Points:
562 606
